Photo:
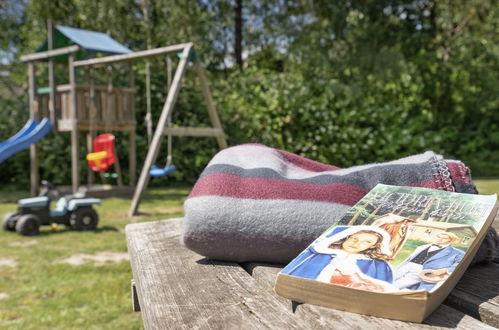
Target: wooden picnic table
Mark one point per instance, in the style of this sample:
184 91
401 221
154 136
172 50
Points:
175 288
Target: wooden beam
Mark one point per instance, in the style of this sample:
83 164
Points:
90 173
148 103
194 131
117 169
34 172
212 112
75 177
51 105
66 125
133 56
132 137
49 53
98 88
158 134
132 158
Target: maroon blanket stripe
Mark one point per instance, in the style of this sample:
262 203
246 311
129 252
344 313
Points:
229 185
459 172
424 184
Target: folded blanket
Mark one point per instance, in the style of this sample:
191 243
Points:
256 203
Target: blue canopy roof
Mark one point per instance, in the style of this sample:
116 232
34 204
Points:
90 41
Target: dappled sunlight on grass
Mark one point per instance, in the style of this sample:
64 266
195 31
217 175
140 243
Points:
40 292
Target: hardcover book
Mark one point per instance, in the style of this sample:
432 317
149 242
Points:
396 254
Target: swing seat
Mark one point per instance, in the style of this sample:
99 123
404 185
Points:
96 158
160 171
103 155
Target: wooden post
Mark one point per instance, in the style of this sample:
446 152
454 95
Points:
110 105
50 41
34 171
132 155
215 121
112 113
92 111
117 168
49 53
75 177
148 119
148 103
154 147
90 173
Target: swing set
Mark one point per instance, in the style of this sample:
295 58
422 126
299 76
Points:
164 127
83 107
157 171
89 108
103 154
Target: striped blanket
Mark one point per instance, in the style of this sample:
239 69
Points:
256 203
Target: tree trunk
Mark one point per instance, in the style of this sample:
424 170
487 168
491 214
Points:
238 40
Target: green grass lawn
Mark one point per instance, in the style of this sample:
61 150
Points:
41 293
487 186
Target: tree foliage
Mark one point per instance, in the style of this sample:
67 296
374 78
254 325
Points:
342 82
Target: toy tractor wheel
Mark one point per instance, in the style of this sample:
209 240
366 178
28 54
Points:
84 218
28 225
8 222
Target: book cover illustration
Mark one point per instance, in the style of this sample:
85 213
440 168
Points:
396 239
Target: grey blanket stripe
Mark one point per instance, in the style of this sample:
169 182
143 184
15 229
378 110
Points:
270 216
366 179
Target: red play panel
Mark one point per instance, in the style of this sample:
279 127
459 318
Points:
103 155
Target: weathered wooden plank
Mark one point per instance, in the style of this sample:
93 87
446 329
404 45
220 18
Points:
325 318
477 293
179 289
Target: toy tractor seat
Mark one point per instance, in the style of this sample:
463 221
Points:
61 208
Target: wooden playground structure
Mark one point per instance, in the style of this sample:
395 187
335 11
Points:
88 108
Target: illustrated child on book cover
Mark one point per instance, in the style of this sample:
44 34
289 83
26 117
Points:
439 259
354 257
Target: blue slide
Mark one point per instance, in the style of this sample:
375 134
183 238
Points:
30 125
31 133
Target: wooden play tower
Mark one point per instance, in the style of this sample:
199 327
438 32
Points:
80 107
87 107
